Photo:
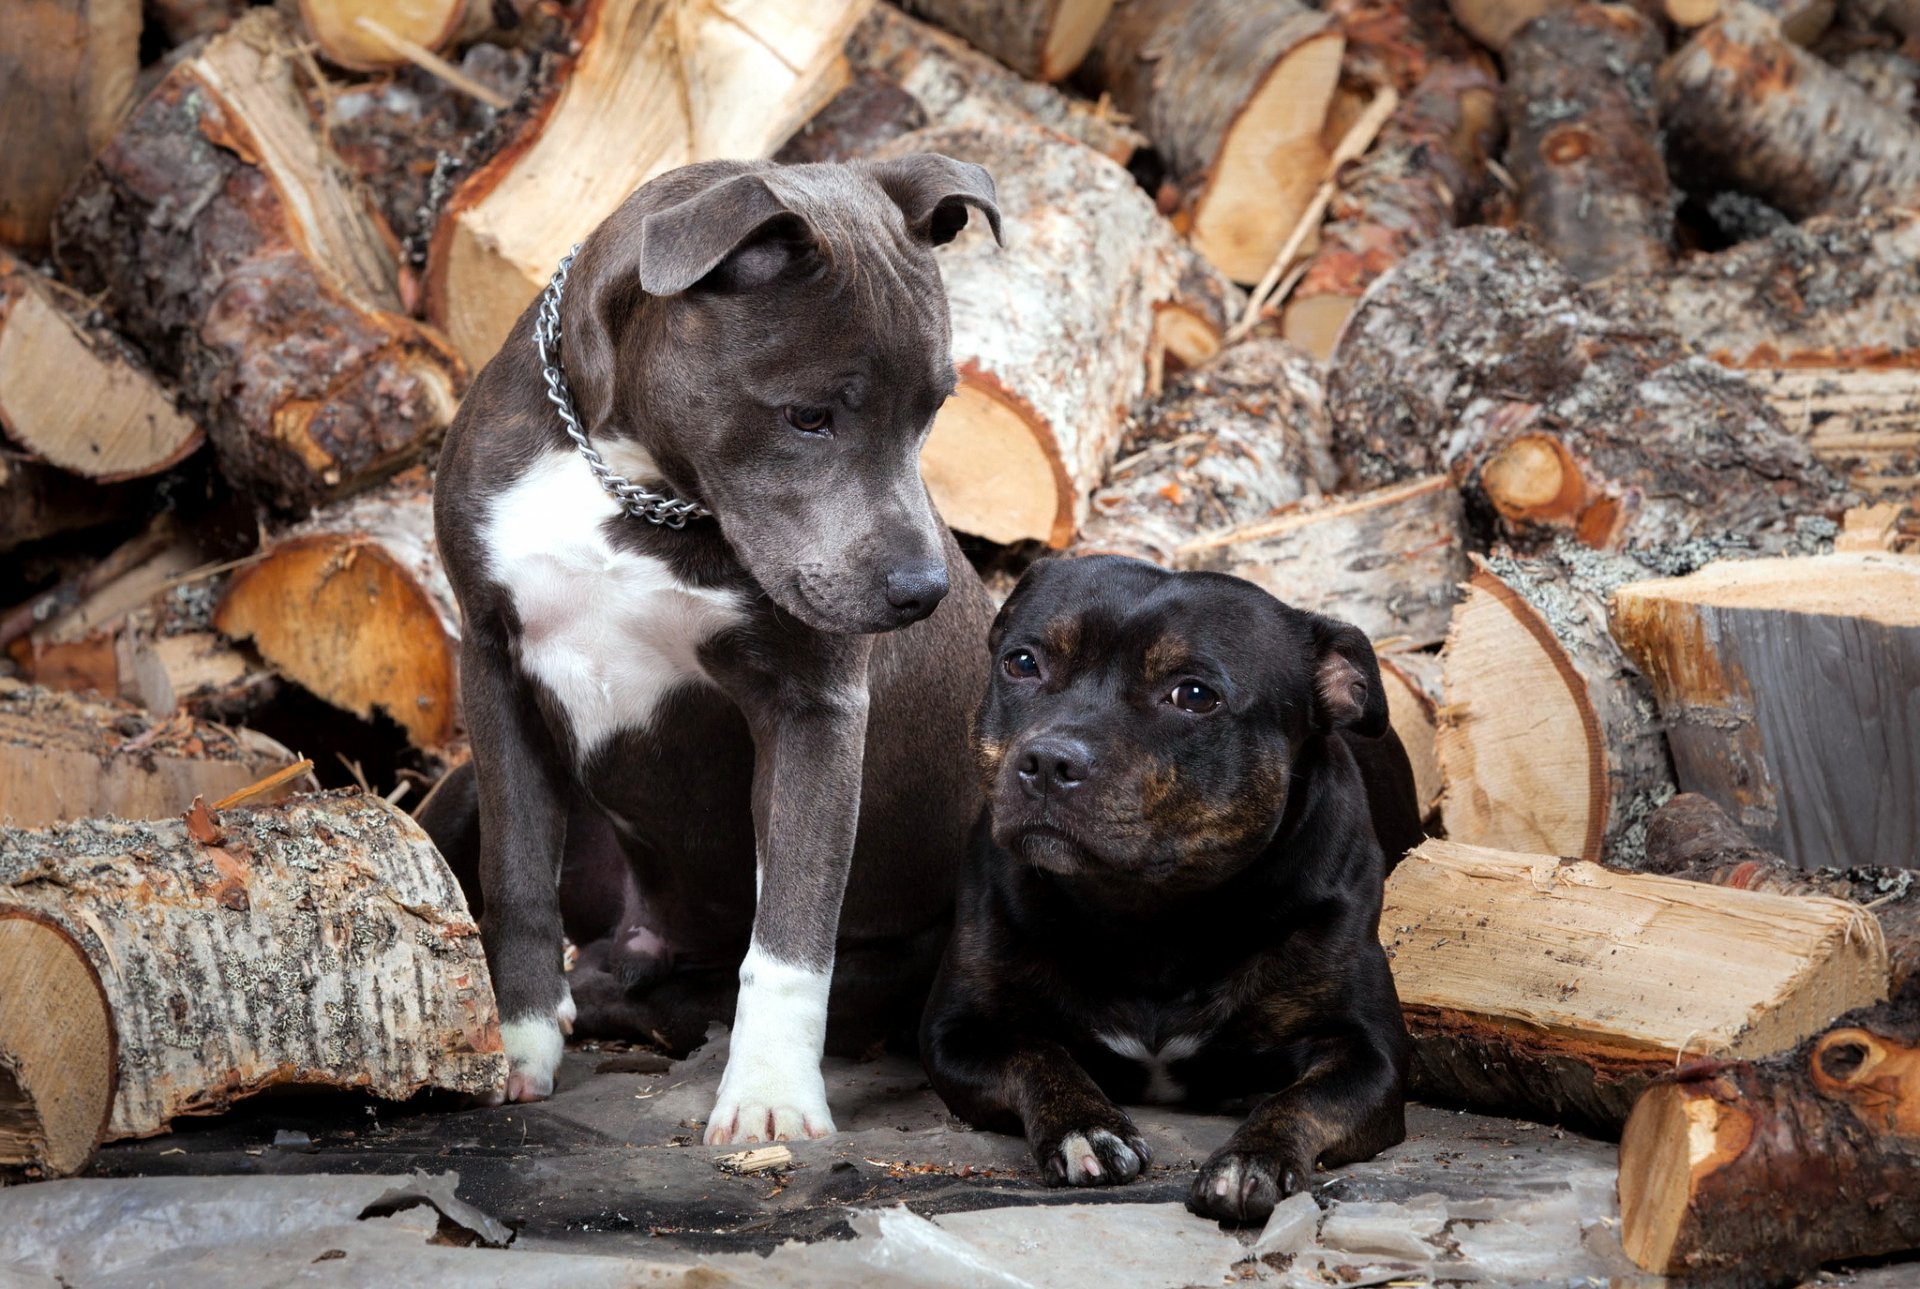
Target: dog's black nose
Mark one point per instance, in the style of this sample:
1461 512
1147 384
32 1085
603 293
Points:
915 589
1054 764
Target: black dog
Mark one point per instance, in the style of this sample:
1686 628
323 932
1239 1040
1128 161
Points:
1175 891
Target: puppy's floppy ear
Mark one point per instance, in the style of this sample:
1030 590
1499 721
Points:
1346 676
933 192
739 217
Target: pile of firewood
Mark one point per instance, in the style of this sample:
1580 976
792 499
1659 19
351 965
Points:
1570 350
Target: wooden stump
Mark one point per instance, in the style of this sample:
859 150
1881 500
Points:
1414 184
708 82
1230 442
1757 1172
1233 95
1414 694
1548 740
1559 989
1585 141
1388 561
1786 687
357 34
318 943
75 395
1480 356
355 605
1056 334
1043 39
64 757
1745 108
272 306
67 69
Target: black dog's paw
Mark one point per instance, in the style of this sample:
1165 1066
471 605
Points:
1243 1186
1104 1153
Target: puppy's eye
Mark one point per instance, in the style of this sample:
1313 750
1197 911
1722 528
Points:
810 420
1192 696
1021 664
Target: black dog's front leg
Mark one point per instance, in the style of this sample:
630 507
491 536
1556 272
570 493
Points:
523 817
1347 1106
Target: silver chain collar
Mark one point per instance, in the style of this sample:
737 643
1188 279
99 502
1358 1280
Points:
640 502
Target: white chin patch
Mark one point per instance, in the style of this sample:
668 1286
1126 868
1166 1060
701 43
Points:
772 1089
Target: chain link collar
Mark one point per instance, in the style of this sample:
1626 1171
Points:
640 502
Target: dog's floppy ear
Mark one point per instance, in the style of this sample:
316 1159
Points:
739 216
933 192
1346 679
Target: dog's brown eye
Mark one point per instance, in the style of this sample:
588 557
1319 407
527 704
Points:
1192 696
809 420
1021 664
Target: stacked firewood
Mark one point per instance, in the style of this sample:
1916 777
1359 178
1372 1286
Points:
1572 350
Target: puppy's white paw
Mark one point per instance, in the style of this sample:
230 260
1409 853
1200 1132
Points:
765 1105
534 1045
772 1090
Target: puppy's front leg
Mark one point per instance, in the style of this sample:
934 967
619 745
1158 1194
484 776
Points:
806 804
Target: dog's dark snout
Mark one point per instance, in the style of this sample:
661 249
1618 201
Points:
916 589
1054 765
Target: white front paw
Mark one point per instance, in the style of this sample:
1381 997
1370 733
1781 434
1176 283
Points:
534 1045
772 1090
768 1104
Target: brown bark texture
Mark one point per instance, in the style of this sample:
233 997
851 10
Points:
1042 39
1398 42
38 501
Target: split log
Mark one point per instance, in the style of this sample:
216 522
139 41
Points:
1416 182
1863 424
709 82
1480 356
1043 39
357 34
75 395
1801 21
1548 739
226 239
318 943
1388 561
67 69
1559 990
1233 96
354 604
1768 672
38 501
1057 334
1745 108
1585 143
1756 1172
63 757
1414 694
1230 442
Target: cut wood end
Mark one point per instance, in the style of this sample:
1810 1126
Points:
57 1059
1075 25
336 26
1677 1135
1534 478
990 474
1314 321
1873 587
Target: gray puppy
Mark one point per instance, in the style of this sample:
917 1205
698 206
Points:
757 666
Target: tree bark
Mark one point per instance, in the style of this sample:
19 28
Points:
1548 739
1494 22
67 69
1768 672
1756 1172
1388 561
1801 21
317 943
1417 181
74 394
708 82
1585 144
1233 95
226 239
1559 989
1228 443
354 604
1414 687
1042 39
1058 333
1745 108
353 33
64 757
1398 43
1480 356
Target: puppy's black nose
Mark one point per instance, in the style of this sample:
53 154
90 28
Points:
915 589
1054 764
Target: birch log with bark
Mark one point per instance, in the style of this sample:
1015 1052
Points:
709 82
354 604
318 943
1042 39
1057 334
1560 989
1233 96
1585 138
1480 356
1745 108
1229 442
226 240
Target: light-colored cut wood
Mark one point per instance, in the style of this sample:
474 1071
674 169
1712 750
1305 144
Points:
1801 21
1863 423
1413 682
431 24
56 1081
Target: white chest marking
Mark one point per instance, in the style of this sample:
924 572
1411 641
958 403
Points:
1161 1086
609 632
